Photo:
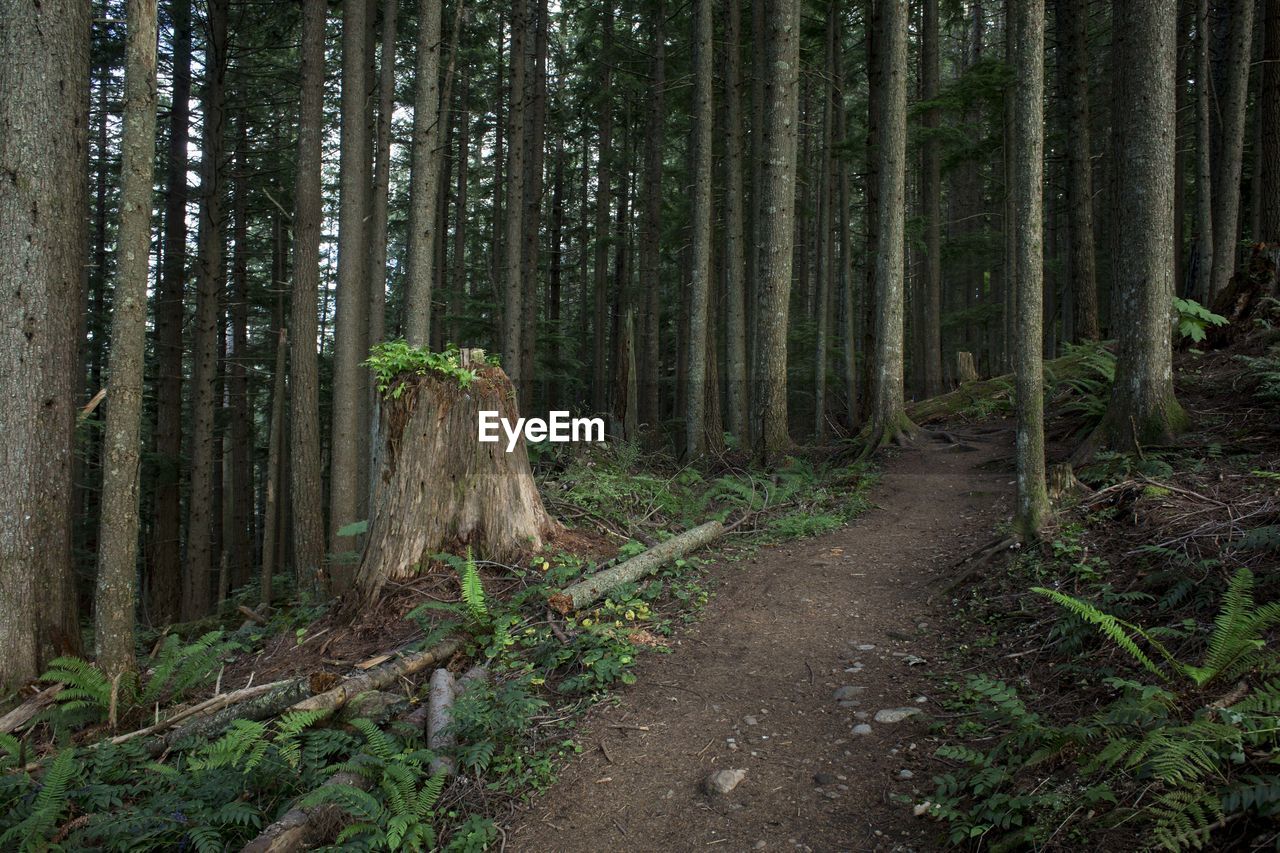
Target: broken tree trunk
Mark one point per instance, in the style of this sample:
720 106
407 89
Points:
600 584
438 488
938 408
380 677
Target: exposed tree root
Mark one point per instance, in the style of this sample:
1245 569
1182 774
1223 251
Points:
979 559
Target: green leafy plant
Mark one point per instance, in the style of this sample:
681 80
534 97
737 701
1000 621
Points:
88 695
1237 645
1194 319
392 360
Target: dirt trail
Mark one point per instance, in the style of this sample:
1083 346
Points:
760 671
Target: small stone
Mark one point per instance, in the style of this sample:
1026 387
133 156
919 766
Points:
724 781
922 809
905 774
866 647
760 845
861 715
862 729
895 715
920 700
751 721
823 778
849 691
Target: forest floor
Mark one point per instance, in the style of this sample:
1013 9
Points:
783 677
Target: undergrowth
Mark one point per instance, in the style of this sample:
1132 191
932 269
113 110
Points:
62 785
1142 706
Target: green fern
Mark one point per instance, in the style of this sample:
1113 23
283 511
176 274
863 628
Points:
1116 630
46 809
1184 819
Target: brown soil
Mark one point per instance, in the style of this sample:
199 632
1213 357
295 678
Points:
776 642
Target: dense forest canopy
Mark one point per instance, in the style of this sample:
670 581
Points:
729 228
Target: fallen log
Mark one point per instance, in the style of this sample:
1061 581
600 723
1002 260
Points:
21 715
1070 366
600 584
440 738
303 828
380 677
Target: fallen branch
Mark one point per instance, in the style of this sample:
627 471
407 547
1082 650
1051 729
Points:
208 706
376 679
303 828
600 584
1071 366
21 715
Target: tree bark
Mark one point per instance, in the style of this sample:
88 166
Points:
114 601
166 522
604 191
513 281
737 400
1073 27
777 237
1269 117
1143 409
307 497
238 533
351 320
271 528
197 590
382 176
1226 179
700 286
931 206
439 489
1032 499
531 223
651 224
44 73
458 290
888 419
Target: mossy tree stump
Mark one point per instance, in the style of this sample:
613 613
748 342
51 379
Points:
437 487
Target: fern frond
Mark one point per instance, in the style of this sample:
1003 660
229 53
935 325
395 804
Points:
1115 629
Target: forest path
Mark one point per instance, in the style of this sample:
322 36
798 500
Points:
801 643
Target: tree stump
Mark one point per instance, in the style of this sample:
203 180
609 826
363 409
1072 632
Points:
966 367
437 488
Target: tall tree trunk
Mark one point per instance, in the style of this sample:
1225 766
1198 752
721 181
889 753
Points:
604 191
44 72
424 178
272 529
306 491
513 281
457 292
849 309
1143 409
351 320
201 544
778 199
114 601
1073 27
555 275
239 534
531 224
1269 117
1226 179
888 419
651 224
382 176
824 280
1032 498
931 207
166 522
1204 158
700 286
